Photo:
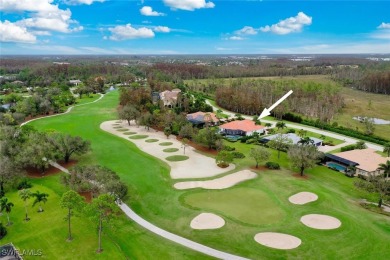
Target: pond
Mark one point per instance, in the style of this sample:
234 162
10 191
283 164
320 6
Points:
376 121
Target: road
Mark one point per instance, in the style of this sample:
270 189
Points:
348 140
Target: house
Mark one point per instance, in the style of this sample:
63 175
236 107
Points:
201 118
366 161
169 98
294 138
75 82
241 127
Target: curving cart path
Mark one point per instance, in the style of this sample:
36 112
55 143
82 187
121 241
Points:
149 226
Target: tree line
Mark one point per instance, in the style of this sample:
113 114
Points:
310 99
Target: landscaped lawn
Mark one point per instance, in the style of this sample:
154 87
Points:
177 158
363 234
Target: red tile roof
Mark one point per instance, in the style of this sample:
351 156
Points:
200 116
244 125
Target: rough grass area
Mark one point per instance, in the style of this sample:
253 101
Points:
151 140
129 133
165 143
249 206
138 136
177 158
170 150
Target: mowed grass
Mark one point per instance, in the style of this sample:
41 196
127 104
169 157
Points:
138 136
363 234
127 238
177 158
170 150
241 204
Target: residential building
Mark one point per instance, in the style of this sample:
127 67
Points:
241 127
169 98
201 118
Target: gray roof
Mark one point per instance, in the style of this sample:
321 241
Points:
295 138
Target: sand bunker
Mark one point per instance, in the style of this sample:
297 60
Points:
303 198
318 221
277 240
219 183
207 221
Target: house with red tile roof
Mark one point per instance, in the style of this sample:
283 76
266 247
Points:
241 127
201 118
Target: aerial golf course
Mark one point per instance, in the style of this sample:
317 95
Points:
257 205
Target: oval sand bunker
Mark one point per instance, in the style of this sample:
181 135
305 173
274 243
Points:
318 221
277 240
303 198
207 221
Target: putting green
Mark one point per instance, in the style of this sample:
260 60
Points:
247 205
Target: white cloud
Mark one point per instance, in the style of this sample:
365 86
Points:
384 26
246 30
188 5
162 29
82 2
43 15
289 25
148 11
236 38
11 32
125 32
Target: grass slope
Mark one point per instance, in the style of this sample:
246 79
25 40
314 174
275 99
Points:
362 235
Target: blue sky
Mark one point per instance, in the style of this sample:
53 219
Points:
194 27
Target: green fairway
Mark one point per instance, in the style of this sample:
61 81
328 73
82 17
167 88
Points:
249 206
363 234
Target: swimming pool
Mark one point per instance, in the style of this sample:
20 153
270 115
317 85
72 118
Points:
336 166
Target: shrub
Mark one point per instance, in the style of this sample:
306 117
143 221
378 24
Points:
238 155
24 184
290 131
251 141
3 231
245 138
272 165
228 148
348 148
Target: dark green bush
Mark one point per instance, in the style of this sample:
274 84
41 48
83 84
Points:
228 148
348 148
3 231
24 184
272 165
238 155
290 131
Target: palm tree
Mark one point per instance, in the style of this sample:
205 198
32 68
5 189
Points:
302 133
25 194
39 198
7 206
386 149
385 167
281 125
306 141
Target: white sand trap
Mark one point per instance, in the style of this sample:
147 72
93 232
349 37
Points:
318 221
303 198
207 221
197 166
277 240
219 183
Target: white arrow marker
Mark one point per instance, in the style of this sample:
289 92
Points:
267 111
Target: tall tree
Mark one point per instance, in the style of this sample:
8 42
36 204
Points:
385 167
306 141
71 201
259 154
9 172
280 142
207 136
25 195
102 210
6 206
129 113
369 125
303 156
39 198
386 149
375 184
68 145
224 158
